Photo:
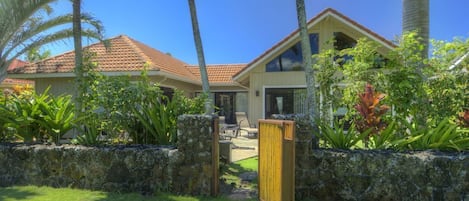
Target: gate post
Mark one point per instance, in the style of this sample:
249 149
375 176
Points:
215 156
276 160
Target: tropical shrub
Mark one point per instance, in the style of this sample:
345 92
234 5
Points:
385 139
445 136
36 117
464 118
370 111
424 94
7 133
90 134
157 116
336 137
27 112
131 112
57 117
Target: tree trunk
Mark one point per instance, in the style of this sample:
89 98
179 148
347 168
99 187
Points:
201 57
308 65
78 56
415 17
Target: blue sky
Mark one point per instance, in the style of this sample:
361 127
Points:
237 31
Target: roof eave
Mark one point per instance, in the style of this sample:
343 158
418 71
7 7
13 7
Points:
180 78
71 74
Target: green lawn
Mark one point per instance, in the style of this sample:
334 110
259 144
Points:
34 193
232 171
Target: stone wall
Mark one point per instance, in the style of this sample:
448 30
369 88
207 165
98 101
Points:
137 168
326 174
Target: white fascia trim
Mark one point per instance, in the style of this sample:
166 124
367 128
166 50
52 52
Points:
179 78
218 84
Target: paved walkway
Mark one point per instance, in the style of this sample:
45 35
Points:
243 147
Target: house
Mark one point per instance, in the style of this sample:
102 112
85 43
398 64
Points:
272 83
126 56
10 83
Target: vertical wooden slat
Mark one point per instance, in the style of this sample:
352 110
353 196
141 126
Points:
215 158
276 160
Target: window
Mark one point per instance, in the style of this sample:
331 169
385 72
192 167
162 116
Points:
342 41
292 59
285 101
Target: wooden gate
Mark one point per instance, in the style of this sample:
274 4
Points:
276 160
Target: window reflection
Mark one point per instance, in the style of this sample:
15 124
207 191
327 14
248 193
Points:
292 59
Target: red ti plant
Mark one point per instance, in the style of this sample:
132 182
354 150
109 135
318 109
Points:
464 118
370 111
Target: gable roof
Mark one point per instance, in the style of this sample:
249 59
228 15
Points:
218 73
295 34
124 55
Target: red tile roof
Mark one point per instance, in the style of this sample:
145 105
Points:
16 63
313 20
124 54
220 73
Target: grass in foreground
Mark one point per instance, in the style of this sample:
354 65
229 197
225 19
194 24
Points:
231 172
33 193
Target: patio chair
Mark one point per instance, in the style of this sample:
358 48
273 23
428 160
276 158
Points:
226 131
244 125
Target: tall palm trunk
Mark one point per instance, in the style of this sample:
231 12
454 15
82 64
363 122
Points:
307 63
415 17
201 57
78 55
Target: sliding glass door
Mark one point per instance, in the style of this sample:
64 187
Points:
284 101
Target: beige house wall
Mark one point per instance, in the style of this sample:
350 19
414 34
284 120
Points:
66 85
58 86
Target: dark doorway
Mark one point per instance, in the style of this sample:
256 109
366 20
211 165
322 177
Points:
225 106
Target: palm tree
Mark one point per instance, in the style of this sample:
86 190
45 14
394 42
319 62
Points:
78 55
307 63
415 17
200 56
23 27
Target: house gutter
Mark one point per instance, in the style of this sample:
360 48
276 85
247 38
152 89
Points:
458 61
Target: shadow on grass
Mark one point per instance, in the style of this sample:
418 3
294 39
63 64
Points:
231 174
159 197
15 194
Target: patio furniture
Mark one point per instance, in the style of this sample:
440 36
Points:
244 125
227 131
